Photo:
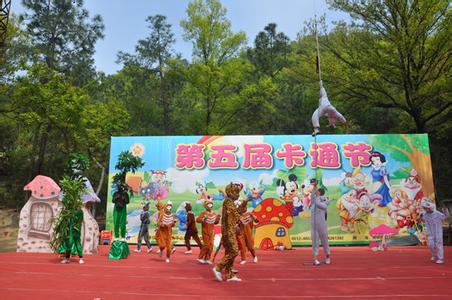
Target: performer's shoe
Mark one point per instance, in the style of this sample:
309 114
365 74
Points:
167 260
234 279
234 271
440 261
159 251
150 250
208 262
65 261
327 261
316 262
173 250
201 261
217 274
188 252
316 131
137 250
255 260
81 261
243 262
433 258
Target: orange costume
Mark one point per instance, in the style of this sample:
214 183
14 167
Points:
208 219
246 236
164 235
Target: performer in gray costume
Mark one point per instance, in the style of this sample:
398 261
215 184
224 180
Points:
319 228
434 225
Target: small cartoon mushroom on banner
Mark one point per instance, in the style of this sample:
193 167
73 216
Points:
274 223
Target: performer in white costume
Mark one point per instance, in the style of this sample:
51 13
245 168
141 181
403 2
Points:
433 220
325 109
319 228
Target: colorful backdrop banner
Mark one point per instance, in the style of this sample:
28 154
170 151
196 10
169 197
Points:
371 180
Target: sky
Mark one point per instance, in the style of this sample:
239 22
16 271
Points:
125 21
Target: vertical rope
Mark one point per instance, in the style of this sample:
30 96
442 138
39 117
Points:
319 71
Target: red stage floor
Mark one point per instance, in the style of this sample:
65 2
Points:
355 273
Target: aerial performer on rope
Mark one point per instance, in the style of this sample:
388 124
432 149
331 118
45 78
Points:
126 163
325 108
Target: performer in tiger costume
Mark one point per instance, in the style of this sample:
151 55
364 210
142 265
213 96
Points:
229 225
164 235
208 219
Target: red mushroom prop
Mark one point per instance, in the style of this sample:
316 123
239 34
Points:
43 187
382 231
274 223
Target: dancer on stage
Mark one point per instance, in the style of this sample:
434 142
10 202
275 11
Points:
229 222
319 228
208 219
433 220
246 236
145 218
164 234
192 231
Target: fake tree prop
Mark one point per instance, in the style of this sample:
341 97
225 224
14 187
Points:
126 163
67 226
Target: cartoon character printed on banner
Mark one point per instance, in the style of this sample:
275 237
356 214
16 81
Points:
160 184
413 186
254 193
367 205
404 210
347 205
201 190
380 177
181 215
291 196
306 190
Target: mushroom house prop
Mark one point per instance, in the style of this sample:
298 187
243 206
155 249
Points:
381 231
35 223
274 223
43 187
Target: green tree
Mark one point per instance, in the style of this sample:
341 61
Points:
154 53
271 50
396 56
214 46
63 35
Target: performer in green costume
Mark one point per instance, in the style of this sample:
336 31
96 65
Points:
66 237
120 199
126 163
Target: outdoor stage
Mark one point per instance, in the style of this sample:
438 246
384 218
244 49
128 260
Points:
355 272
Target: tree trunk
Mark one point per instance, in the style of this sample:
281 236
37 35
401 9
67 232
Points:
42 149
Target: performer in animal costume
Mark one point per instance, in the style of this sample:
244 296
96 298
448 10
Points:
319 228
192 231
208 219
246 236
325 109
145 218
433 220
165 224
229 221
126 163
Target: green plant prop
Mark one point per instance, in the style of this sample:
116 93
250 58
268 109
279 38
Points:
67 226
